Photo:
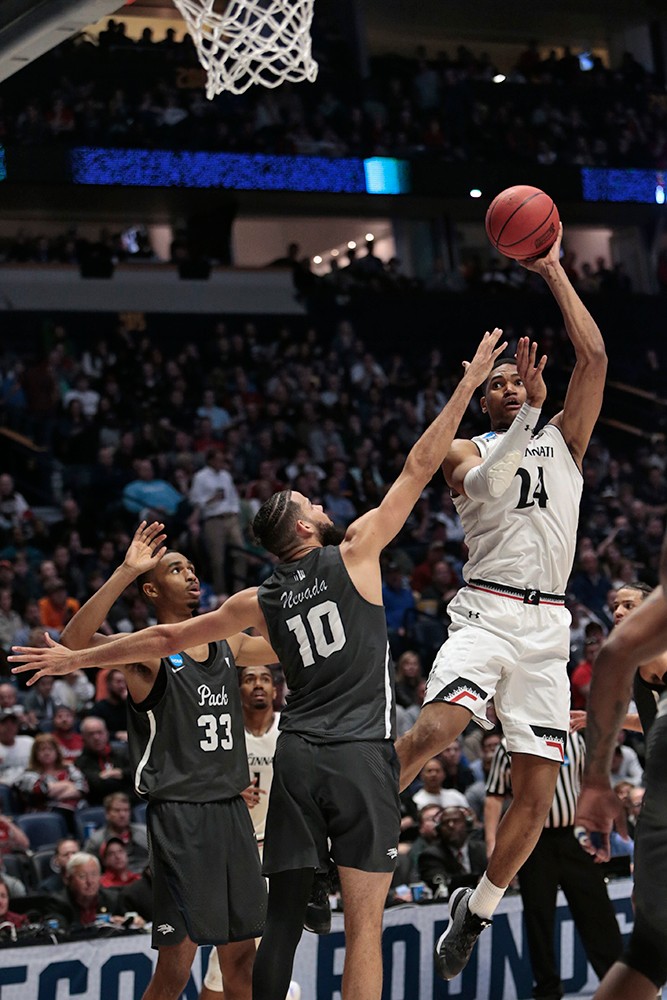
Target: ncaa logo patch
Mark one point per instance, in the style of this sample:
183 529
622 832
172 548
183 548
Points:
552 738
176 660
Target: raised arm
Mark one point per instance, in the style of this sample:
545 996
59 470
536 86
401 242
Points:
144 552
639 638
376 529
239 612
583 399
487 479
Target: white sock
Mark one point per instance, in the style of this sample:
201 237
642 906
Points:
485 898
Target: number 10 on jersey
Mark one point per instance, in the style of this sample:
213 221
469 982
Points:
321 628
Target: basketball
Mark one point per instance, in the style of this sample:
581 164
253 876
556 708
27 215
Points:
522 222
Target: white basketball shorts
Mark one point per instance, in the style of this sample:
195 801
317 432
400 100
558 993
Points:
516 654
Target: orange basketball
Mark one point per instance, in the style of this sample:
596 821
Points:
522 222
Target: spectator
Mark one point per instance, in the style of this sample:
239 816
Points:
6 915
56 607
137 897
457 774
74 691
13 506
69 740
427 819
625 764
48 782
406 717
437 594
12 838
422 575
398 603
66 847
218 415
408 676
476 793
432 776
39 704
14 749
339 507
113 709
117 874
105 768
10 620
9 698
216 498
149 498
118 823
455 858
83 892
591 585
582 674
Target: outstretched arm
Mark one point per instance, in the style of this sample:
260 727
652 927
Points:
584 395
237 613
487 479
642 636
144 552
376 529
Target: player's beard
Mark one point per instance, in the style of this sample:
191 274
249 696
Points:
330 534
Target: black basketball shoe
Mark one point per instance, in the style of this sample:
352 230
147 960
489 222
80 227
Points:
318 911
455 946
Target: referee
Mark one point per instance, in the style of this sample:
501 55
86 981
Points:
557 860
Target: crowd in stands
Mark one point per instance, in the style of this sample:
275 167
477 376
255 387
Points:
196 432
112 90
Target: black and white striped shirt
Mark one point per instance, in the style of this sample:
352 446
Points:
568 785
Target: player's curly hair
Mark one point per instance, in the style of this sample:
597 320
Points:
275 521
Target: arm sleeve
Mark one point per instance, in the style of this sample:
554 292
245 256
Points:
492 478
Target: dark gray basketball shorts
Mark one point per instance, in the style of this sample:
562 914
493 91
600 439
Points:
207 881
343 792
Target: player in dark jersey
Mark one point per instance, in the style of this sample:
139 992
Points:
187 745
640 639
335 769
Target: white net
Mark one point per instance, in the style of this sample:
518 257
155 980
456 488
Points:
266 42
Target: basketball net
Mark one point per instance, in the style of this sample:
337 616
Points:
266 42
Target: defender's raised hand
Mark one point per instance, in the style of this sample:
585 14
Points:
146 548
530 371
485 355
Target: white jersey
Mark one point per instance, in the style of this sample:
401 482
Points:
261 751
526 538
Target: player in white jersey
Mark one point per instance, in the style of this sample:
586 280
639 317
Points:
517 493
258 690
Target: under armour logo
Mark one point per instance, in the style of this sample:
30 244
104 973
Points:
392 853
473 614
165 929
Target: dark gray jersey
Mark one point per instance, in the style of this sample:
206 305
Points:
333 647
187 741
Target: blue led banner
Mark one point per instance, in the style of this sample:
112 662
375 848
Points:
606 184
237 171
